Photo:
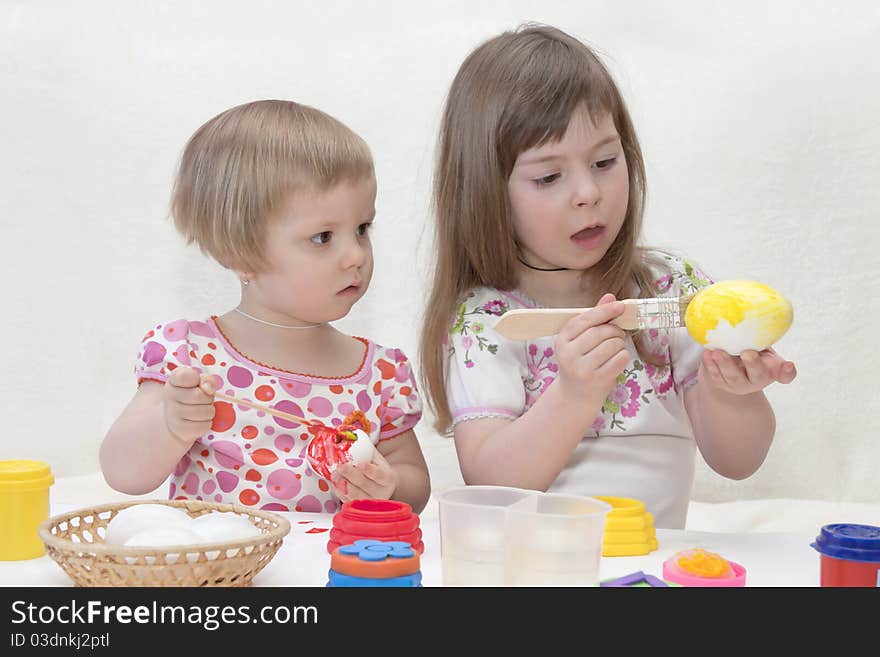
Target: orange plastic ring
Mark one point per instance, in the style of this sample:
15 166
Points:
351 564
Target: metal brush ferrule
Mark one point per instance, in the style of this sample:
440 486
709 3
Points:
660 313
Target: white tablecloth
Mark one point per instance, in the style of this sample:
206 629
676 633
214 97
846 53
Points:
770 559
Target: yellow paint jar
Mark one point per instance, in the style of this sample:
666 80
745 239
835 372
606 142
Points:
629 528
24 506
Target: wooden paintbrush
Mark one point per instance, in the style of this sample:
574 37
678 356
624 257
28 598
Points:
639 314
266 409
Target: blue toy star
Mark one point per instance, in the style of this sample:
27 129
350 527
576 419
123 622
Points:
372 550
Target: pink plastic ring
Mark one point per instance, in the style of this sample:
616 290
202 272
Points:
673 573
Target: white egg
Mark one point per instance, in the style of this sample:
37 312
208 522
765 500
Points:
221 527
162 537
362 449
133 519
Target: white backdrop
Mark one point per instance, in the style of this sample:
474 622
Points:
759 126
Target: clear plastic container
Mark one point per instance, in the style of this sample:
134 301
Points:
472 533
554 540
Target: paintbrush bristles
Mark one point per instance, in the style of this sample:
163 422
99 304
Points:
662 312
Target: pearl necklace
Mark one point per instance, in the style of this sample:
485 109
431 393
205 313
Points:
284 326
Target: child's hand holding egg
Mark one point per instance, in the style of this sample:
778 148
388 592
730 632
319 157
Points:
375 479
740 318
330 447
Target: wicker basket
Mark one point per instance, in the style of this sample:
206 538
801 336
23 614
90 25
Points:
75 540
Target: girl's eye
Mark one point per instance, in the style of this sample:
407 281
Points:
605 164
321 238
546 180
363 229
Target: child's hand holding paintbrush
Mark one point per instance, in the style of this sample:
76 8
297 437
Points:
188 401
188 404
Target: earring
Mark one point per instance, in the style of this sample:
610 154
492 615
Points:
245 282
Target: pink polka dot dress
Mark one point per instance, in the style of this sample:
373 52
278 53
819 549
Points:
252 458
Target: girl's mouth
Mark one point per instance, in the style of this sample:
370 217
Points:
588 237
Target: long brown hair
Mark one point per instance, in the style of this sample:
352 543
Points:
515 91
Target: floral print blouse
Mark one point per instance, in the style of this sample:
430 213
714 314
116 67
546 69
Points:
491 376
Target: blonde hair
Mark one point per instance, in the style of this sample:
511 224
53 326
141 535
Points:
515 91
240 165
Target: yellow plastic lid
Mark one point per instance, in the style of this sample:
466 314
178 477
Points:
25 475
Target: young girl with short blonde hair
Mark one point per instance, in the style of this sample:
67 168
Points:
283 195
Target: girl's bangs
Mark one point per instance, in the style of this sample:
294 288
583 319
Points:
546 98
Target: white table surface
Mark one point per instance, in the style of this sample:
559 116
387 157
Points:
770 559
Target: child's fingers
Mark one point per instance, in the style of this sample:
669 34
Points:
593 337
352 474
207 384
756 369
378 471
194 412
348 485
731 371
601 314
184 377
787 372
614 365
710 367
604 352
356 493
379 459
191 396
778 368
340 486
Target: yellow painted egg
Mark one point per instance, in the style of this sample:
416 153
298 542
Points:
737 315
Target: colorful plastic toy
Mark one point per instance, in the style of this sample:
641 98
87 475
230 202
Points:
850 555
629 528
374 563
381 520
637 579
24 506
699 567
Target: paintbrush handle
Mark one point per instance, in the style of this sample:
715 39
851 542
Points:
638 314
265 409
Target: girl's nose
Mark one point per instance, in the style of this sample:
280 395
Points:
355 253
586 192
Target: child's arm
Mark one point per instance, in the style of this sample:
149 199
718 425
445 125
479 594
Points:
155 430
405 457
532 450
733 422
398 471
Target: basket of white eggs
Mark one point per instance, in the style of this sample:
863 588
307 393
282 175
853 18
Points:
164 543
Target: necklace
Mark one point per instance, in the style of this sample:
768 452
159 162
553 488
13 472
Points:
540 268
284 326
